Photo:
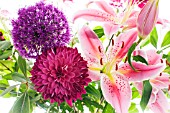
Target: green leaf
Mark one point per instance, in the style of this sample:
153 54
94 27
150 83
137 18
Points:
131 49
5 54
22 65
167 70
166 40
91 102
4 45
6 64
79 105
133 108
4 83
18 77
99 31
108 108
8 90
7 76
91 90
154 37
22 104
7 95
135 93
146 93
140 59
31 107
145 42
64 107
38 97
89 105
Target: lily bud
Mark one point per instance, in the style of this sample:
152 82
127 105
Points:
147 18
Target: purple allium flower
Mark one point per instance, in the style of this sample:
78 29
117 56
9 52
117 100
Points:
39 28
60 74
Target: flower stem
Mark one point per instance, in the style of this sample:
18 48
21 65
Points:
6 67
109 42
101 101
163 49
137 43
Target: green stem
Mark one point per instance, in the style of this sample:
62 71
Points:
101 101
109 42
6 66
137 43
74 107
163 49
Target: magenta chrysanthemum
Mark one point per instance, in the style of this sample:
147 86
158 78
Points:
60 74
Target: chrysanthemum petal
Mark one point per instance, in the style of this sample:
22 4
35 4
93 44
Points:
65 79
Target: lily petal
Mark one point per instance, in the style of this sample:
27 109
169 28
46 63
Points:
94 75
91 45
117 93
153 57
130 23
163 22
161 104
94 15
141 53
121 45
104 6
161 81
110 29
143 72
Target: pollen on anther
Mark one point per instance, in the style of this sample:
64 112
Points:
99 49
112 42
116 67
122 44
160 74
101 61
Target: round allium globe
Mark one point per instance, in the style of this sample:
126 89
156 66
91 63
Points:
39 28
60 74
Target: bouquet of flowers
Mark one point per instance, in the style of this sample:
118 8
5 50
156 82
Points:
108 57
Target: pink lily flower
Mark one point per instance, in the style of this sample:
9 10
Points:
147 18
104 66
158 102
127 19
153 59
112 20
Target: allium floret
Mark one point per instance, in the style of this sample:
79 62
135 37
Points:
60 74
39 28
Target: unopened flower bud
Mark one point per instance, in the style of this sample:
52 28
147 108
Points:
147 18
